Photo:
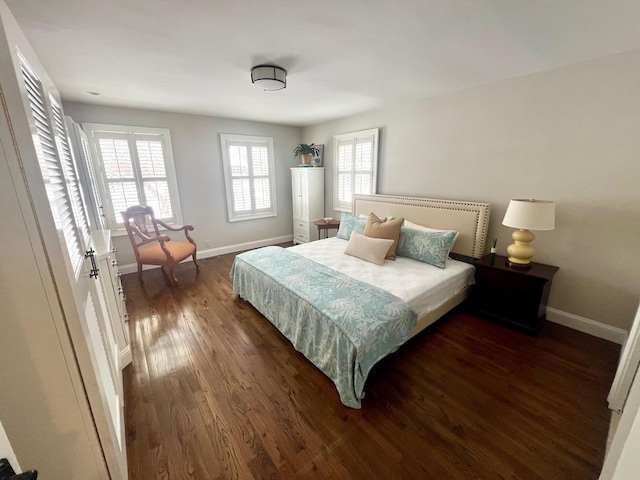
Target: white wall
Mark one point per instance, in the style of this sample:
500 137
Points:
198 161
571 135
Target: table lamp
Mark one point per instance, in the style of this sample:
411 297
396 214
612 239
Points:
527 215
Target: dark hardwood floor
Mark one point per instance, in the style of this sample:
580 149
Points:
215 391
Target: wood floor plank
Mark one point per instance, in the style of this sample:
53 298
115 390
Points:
215 391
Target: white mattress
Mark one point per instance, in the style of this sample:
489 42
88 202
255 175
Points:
423 286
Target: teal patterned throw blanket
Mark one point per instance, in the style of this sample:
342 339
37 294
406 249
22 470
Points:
344 326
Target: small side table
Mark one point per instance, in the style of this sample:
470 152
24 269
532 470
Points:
326 226
513 295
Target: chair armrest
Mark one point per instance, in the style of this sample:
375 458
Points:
147 239
186 228
174 229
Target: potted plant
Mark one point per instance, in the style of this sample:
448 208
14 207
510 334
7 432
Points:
306 152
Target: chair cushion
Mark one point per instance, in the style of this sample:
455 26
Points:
154 255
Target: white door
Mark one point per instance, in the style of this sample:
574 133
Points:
627 368
58 203
296 192
300 193
86 281
111 295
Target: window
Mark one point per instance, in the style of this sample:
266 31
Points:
248 176
355 166
136 165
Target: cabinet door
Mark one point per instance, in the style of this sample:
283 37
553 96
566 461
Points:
304 195
52 179
300 191
296 192
118 307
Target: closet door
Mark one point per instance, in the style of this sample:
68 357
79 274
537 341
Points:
112 293
58 204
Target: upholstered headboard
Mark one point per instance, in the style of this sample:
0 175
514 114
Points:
470 219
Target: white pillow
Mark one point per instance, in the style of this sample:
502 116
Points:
367 248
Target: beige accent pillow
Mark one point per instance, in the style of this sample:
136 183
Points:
390 229
367 248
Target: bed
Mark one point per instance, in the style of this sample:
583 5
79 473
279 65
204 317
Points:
345 314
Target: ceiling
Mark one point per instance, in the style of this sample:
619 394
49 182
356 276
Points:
342 56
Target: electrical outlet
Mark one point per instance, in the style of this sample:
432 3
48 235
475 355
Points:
207 243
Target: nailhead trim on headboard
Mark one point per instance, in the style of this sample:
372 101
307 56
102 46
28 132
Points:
481 211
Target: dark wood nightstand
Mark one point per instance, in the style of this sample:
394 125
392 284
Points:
516 296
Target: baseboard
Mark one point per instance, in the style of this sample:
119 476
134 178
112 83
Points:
125 354
582 324
214 252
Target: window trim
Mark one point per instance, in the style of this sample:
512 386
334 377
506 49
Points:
234 217
117 226
374 180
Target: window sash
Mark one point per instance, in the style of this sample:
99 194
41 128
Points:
356 161
249 176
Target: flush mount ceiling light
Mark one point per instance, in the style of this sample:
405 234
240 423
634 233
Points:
269 77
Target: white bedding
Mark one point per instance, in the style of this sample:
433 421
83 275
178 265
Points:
423 286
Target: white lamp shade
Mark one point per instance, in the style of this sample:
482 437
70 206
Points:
530 214
269 77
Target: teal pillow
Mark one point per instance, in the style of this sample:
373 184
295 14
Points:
350 223
427 247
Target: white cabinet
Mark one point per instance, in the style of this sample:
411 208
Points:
115 300
307 187
62 393
110 287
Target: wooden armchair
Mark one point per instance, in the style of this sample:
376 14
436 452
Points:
152 248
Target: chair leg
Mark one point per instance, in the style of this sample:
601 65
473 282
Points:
195 260
172 274
140 272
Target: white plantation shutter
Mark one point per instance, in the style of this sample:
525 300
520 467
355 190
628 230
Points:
345 171
137 166
70 171
91 176
356 157
241 185
261 180
51 168
151 158
117 162
249 181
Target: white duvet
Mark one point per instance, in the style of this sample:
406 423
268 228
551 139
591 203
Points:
423 286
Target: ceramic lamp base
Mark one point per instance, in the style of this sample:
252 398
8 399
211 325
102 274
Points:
521 252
